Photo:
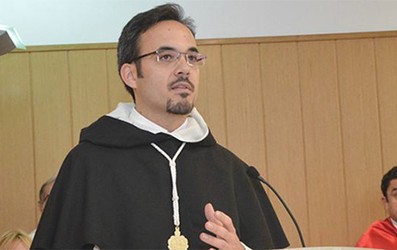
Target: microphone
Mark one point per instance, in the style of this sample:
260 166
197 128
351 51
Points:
253 173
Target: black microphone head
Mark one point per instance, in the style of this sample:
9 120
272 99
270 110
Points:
252 172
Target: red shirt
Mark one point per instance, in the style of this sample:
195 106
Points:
381 234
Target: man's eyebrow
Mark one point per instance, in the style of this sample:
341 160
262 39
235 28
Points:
166 48
194 49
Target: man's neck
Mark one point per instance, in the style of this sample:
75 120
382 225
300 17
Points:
168 121
393 222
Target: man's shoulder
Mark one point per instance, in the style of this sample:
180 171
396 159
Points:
380 234
381 226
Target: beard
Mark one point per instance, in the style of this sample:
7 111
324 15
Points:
182 107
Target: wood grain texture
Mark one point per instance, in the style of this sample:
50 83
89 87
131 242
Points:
360 133
52 114
315 114
17 203
211 99
323 143
244 104
284 132
386 64
89 88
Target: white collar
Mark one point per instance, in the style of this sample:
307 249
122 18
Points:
393 222
194 129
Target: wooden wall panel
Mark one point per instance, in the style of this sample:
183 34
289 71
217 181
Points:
360 133
17 202
244 106
211 99
322 138
284 132
116 90
89 88
315 114
386 63
52 114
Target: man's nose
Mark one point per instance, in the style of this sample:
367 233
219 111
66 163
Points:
182 65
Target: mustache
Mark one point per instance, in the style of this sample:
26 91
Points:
182 79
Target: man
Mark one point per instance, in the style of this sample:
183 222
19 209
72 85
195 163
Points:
44 193
382 234
15 240
150 175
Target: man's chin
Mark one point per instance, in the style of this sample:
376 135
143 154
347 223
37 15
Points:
180 108
179 111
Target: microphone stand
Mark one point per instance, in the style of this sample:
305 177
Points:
252 172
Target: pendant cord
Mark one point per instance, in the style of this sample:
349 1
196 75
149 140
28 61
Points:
172 165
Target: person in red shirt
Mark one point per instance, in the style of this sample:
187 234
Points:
383 233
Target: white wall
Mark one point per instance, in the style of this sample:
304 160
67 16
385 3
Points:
47 22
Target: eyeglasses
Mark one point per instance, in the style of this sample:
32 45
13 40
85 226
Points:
169 56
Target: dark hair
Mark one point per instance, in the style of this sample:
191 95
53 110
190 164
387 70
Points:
129 41
389 176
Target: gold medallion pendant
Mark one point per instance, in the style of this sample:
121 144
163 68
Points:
177 241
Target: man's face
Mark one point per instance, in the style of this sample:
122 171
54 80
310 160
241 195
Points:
47 191
166 87
18 245
391 202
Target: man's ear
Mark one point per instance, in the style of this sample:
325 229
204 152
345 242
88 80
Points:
129 74
385 203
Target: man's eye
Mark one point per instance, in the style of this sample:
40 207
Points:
166 57
192 58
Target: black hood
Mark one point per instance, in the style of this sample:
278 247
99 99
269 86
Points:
111 132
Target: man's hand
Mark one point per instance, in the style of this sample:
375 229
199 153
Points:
222 226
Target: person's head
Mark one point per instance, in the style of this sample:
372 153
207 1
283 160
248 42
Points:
158 60
15 240
44 192
389 190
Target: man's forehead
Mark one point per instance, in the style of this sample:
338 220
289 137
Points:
168 32
393 185
169 25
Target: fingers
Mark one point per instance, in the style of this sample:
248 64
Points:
225 220
223 239
221 225
213 241
210 214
